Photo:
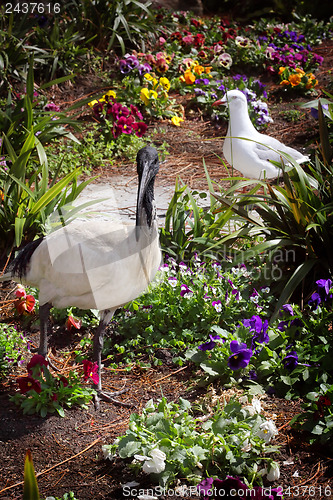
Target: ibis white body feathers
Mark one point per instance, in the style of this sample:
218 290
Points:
94 264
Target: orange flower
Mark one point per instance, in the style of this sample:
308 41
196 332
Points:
188 77
281 70
198 69
300 71
284 82
311 83
295 80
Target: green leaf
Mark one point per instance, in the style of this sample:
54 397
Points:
30 488
54 191
128 447
19 227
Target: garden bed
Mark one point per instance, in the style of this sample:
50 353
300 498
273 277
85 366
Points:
67 451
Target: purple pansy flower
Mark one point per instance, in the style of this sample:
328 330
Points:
208 346
291 360
240 357
185 291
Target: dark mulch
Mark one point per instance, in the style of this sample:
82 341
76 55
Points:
67 451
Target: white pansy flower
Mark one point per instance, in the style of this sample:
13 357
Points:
254 407
267 430
106 449
156 463
274 472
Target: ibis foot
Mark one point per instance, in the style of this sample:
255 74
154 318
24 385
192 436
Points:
109 398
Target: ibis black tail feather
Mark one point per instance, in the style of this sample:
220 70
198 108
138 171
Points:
21 262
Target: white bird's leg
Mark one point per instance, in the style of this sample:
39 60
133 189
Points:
106 317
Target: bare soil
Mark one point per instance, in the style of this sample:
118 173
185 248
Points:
67 451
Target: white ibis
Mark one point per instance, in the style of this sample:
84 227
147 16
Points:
95 264
246 149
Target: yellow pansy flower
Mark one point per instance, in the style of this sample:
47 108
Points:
148 77
144 95
92 103
164 82
176 120
110 93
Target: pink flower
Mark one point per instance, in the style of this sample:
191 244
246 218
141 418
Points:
90 370
136 112
20 292
119 111
188 39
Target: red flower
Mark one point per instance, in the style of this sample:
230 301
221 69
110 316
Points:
119 111
28 384
64 381
25 304
37 359
321 403
90 370
73 322
199 40
136 112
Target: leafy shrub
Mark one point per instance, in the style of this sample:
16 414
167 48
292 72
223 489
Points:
295 219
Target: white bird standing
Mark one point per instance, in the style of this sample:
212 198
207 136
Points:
95 264
246 149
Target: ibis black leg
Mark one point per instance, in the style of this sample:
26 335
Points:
45 328
97 354
45 332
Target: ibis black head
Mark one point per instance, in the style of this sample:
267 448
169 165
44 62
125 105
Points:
147 167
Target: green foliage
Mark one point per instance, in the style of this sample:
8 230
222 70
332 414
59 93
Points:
191 228
66 49
227 442
26 114
28 200
30 488
13 347
66 496
317 417
295 219
112 24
